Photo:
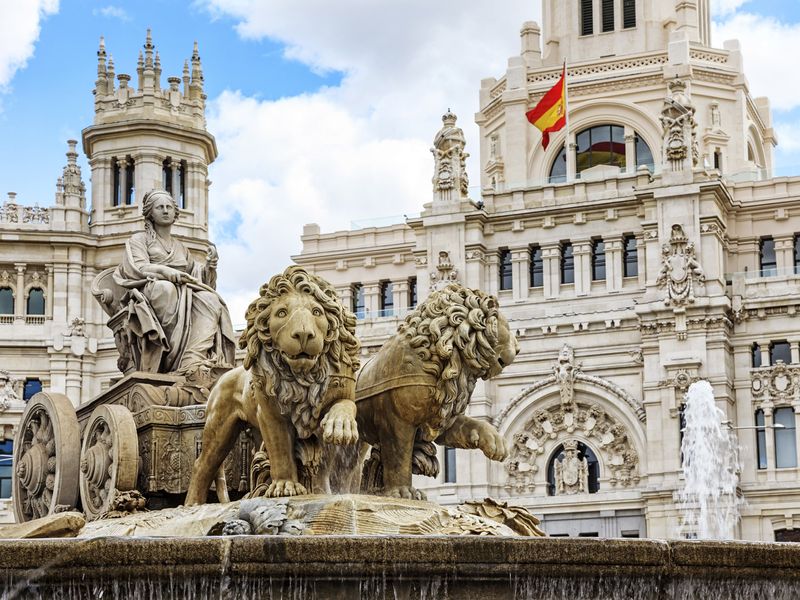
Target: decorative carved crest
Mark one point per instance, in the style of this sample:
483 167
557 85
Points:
450 180
778 383
679 127
572 473
680 269
445 272
7 393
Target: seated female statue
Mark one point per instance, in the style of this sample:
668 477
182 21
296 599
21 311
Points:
177 319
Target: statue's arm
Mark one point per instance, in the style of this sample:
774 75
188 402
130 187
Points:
210 269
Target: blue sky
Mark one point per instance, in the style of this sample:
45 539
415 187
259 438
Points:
323 111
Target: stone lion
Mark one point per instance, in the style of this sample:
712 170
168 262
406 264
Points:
297 381
416 389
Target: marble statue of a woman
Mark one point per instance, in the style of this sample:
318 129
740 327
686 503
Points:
176 316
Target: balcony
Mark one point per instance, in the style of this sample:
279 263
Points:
775 383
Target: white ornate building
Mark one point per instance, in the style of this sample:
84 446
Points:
53 333
647 247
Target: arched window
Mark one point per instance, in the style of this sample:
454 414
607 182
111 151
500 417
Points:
601 145
6 301
593 467
35 302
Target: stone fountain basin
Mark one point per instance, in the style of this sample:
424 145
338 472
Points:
432 567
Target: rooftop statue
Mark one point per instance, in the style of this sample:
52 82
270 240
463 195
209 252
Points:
173 319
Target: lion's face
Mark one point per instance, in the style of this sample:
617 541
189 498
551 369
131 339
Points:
506 348
298 327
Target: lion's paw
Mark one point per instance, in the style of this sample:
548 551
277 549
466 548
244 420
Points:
339 426
490 442
284 487
407 492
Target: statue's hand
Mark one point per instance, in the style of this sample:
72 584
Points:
212 257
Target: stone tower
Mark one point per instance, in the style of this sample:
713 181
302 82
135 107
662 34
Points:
144 137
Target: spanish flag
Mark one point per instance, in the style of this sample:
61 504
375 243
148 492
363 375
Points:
550 115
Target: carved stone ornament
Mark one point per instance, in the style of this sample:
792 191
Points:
35 214
548 425
777 383
445 272
8 395
572 473
679 127
9 212
565 371
76 327
450 180
680 270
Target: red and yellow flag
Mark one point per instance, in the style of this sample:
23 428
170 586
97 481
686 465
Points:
550 115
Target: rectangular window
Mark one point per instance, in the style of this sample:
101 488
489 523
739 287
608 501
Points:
537 267
598 260
130 188
166 175
387 299
589 534
796 253
181 195
32 387
358 300
587 17
116 192
6 454
755 355
780 351
567 263
608 15
412 292
506 280
718 160
766 255
630 257
628 13
449 465
633 533
785 440
761 440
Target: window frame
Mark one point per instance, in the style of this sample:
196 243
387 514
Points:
767 268
627 253
536 266
28 311
586 14
786 432
566 263
505 270
386 304
356 295
598 259
626 22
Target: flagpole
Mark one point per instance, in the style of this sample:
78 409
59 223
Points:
567 149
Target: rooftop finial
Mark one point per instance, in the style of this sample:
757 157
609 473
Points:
148 50
72 153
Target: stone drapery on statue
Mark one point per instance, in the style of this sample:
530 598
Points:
175 320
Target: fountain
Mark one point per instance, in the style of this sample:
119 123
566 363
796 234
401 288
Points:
709 450
305 532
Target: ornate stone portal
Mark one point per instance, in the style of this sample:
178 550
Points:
564 421
680 270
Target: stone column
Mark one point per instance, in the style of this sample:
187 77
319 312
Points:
19 303
400 296
770 435
50 292
345 293
630 150
474 274
75 287
520 265
784 254
372 292
551 257
764 346
572 148
148 173
794 346
614 266
493 273
73 379
60 293
582 252
122 165
176 183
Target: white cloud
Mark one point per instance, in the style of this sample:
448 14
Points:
20 23
721 8
768 47
112 12
357 150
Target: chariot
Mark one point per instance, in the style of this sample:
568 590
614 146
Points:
136 441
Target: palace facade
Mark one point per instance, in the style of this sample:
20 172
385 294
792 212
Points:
648 246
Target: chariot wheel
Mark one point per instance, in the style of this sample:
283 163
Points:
109 458
46 453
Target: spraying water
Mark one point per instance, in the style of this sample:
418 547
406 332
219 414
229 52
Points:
708 499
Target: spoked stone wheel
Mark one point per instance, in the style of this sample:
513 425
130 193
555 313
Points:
109 458
45 470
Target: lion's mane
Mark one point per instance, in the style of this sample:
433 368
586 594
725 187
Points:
302 396
454 332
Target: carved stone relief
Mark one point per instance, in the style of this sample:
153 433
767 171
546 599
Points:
572 473
450 161
679 127
779 383
680 270
8 395
444 274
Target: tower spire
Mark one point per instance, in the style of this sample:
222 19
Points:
196 86
102 75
